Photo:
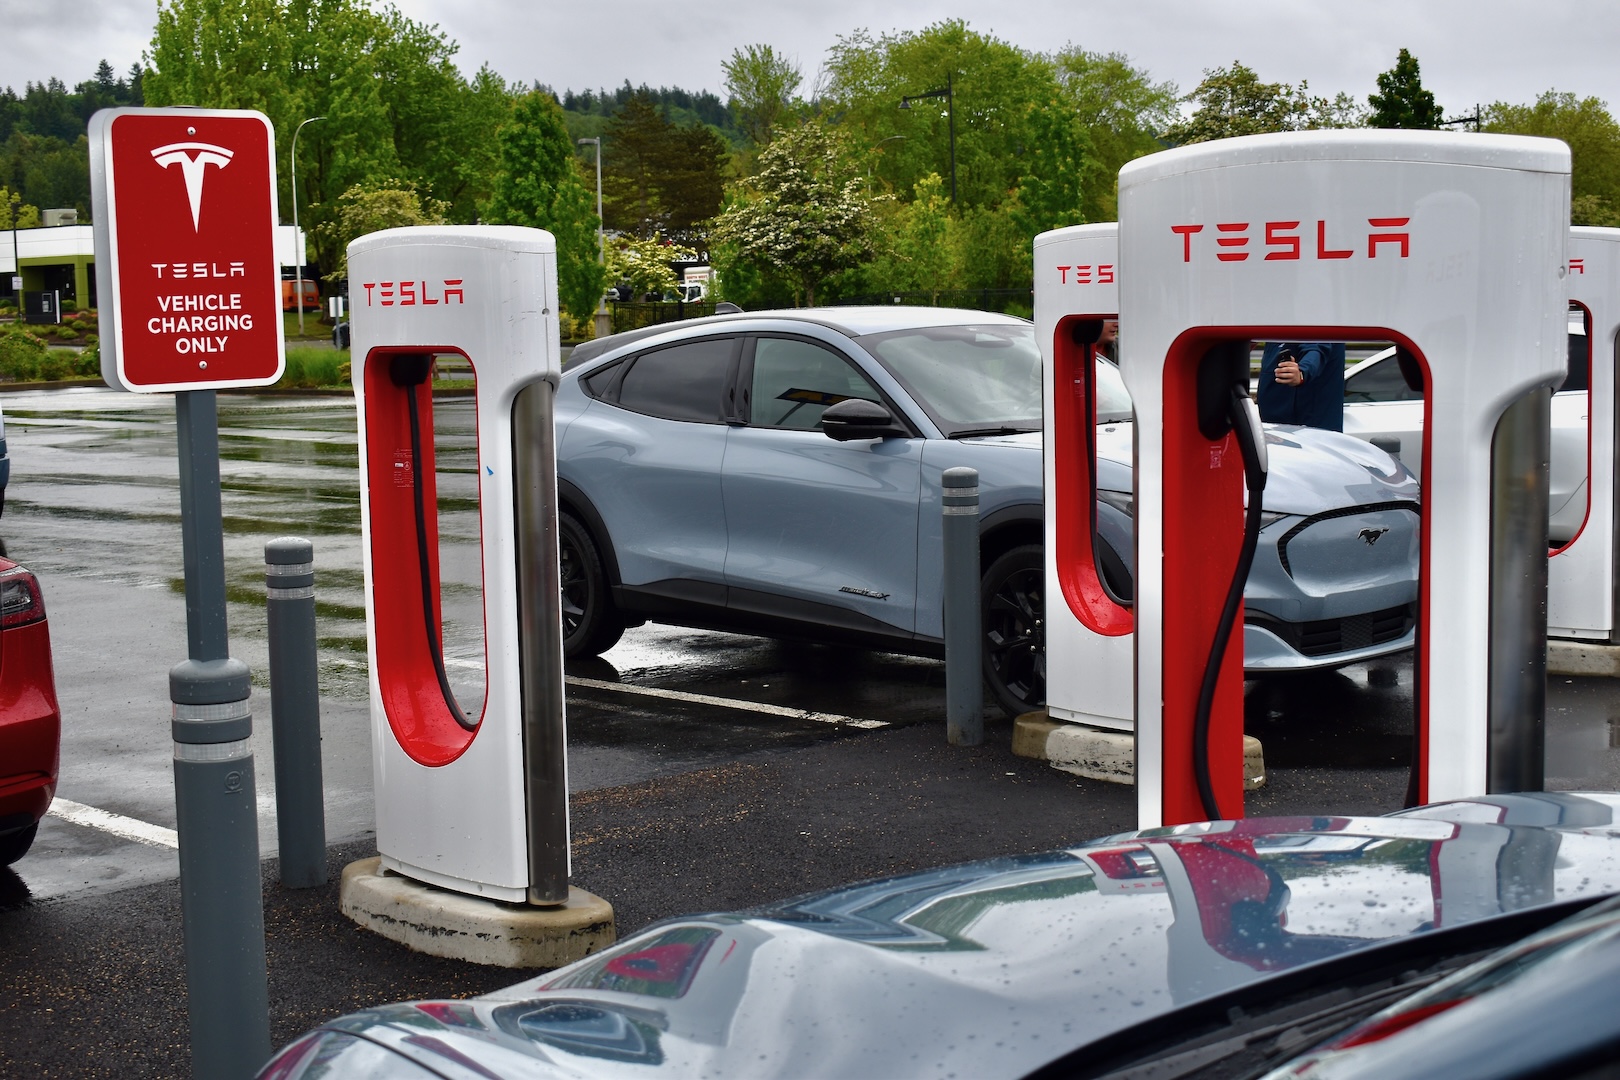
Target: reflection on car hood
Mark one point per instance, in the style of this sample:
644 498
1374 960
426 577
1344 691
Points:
994 968
1310 470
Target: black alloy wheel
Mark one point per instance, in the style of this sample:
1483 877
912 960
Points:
590 624
1012 599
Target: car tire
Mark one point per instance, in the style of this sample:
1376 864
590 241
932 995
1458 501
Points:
1012 608
15 845
591 625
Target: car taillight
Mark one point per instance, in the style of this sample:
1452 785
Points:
21 602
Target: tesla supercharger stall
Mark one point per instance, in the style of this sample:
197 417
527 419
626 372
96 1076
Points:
1453 247
1089 676
473 801
1581 575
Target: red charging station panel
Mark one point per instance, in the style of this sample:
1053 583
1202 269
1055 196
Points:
185 233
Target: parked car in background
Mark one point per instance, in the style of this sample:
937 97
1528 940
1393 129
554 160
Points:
30 720
289 294
1380 407
779 473
1467 939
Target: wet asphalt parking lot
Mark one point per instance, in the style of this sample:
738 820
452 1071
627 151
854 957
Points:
695 784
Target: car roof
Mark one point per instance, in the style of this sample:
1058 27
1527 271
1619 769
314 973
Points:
850 321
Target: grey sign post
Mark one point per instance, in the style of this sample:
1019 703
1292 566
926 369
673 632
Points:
964 676
222 902
295 710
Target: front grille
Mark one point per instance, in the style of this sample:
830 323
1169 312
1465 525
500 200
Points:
1326 637
1343 511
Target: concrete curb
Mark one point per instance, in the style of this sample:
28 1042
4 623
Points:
1583 658
1099 754
459 927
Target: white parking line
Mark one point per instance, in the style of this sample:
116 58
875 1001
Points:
727 703
127 827
700 699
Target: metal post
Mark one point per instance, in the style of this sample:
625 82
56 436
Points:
540 659
964 629
950 115
295 710
604 320
299 254
222 904
1517 701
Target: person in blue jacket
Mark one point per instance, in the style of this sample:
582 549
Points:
1302 382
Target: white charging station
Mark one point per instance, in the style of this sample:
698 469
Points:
1089 645
1581 576
475 804
1450 245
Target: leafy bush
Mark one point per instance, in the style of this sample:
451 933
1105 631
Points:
79 325
20 353
314 368
69 306
66 333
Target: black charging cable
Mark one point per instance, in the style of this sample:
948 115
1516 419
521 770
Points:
407 373
1244 418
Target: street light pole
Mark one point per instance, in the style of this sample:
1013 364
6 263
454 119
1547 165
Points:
604 321
298 296
946 92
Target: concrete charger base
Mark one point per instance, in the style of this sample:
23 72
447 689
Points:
1583 658
1099 754
460 927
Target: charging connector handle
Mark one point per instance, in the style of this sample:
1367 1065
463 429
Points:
408 373
1251 439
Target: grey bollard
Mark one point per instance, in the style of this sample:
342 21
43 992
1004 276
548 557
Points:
964 629
221 899
295 710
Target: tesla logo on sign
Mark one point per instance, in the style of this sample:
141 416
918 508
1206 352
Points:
193 158
186 248
1577 266
1284 241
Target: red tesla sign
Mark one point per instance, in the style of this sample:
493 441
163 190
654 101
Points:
185 215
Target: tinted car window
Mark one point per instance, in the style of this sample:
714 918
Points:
596 383
682 382
1580 363
794 382
1382 381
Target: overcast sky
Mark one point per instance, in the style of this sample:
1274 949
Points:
1470 50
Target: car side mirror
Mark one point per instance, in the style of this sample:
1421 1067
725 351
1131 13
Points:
857 418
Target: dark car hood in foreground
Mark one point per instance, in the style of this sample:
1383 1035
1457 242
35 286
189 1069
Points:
994 968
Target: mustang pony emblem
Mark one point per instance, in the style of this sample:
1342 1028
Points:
1371 535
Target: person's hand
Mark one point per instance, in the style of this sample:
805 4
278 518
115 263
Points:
1288 373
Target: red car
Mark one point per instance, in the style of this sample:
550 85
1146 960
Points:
30 721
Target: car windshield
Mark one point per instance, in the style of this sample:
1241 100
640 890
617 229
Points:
982 380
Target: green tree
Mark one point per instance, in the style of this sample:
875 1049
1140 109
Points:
660 179
27 214
761 84
1401 101
1233 102
806 214
1122 112
644 265
993 84
635 151
1059 170
395 104
1594 145
923 257
372 207
539 184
